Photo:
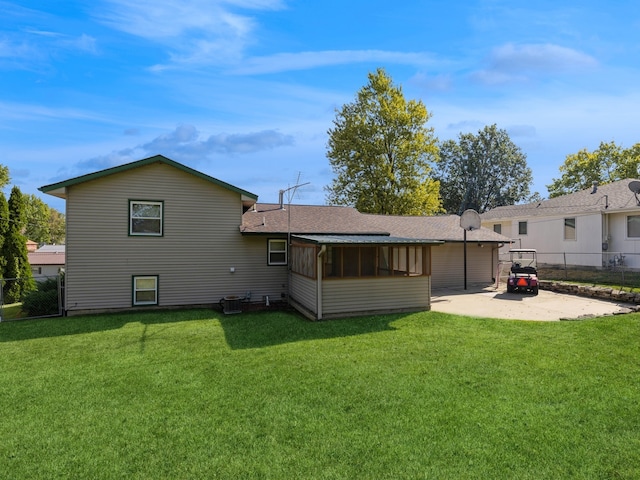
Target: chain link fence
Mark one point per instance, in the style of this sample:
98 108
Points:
617 269
26 298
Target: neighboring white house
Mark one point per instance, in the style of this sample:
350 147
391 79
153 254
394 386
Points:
597 227
47 261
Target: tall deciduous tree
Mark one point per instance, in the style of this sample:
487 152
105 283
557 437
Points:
608 163
43 223
15 252
482 171
380 151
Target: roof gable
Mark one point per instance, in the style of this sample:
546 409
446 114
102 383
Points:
60 189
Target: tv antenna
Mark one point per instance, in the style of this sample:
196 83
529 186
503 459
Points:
290 192
634 186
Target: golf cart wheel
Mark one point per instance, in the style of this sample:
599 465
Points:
509 288
534 290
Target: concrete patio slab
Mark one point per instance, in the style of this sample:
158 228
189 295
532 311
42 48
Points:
547 306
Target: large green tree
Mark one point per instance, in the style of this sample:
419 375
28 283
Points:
380 151
482 171
14 251
43 223
608 163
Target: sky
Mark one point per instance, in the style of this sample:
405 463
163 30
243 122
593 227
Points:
246 90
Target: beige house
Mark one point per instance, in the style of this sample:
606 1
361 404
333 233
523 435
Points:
146 217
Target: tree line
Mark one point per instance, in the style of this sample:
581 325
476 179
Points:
386 160
22 218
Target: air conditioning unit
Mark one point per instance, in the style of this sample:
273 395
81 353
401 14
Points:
231 304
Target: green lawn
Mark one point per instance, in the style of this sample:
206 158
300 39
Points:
196 394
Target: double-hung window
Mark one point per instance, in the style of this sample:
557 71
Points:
277 252
145 290
145 218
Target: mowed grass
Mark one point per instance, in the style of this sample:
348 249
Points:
196 394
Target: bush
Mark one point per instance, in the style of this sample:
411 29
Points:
43 301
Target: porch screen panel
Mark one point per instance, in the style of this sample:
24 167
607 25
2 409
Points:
368 261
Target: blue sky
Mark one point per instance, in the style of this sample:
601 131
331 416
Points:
245 90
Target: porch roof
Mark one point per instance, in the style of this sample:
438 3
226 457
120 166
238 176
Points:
364 240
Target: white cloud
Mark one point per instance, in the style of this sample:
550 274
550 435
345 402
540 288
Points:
195 31
510 62
184 144
281 62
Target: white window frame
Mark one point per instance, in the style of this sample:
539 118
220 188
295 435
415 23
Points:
135 288
159 218
575 233
272 251
629 217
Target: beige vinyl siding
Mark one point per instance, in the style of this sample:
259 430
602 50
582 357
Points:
447 265
200 243
353 296
304 291
257 276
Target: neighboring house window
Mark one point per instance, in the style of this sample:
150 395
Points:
145 218
277 252
497 227
145 290
36 270
569 228
522 228
633 226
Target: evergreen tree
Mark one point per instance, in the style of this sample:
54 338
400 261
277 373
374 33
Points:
15 252
4 231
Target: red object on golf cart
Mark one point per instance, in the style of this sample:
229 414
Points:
524 271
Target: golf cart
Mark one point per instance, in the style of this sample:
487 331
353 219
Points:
524 271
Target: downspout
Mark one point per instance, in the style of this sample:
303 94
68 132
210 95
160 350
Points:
321 253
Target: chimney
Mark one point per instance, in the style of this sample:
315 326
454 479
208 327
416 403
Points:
281 199
595 187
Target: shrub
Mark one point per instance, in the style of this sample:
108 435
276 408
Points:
43 301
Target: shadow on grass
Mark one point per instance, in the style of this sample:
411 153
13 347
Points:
241 331
264 329
61 326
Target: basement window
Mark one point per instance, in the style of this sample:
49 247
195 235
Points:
145 290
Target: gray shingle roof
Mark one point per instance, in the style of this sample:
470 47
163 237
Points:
334 220
611 197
